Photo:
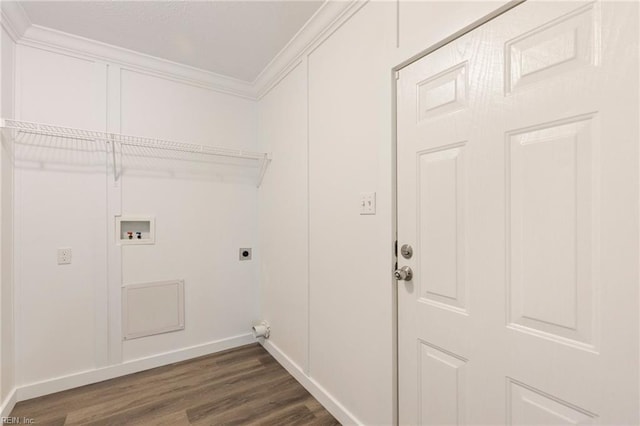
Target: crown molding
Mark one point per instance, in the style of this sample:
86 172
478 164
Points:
330 15
50 39
14 19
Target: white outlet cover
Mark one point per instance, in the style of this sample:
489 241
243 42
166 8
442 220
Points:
245 253
367 203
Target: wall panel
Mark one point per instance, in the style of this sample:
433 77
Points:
60 202
7 339
351 306
203 214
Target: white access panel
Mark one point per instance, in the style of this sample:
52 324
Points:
152 308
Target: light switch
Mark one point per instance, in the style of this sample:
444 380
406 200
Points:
64 255
367 203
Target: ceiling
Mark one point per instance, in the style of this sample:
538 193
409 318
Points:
232 38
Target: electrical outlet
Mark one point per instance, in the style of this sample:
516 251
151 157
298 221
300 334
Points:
64 255
367 203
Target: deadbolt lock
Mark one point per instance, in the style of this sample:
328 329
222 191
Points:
406 251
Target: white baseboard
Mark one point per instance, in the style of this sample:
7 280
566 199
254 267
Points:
9 402
329 402
34 390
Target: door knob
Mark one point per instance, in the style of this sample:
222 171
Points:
405 273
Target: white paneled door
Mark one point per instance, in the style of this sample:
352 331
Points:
518 155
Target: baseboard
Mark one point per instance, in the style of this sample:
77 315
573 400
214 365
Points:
8 403
34 390
329 402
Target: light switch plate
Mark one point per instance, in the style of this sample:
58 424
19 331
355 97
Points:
64 255
367 203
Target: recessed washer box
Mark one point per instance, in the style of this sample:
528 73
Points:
135 230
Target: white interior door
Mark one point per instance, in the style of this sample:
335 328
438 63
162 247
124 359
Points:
518 191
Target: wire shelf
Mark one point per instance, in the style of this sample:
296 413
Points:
261 159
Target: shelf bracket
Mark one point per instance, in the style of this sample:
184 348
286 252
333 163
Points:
266 159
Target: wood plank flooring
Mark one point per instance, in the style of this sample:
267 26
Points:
242 386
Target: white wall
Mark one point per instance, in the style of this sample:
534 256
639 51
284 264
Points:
350 304
201 221
68 316
284 216
7 47
60 202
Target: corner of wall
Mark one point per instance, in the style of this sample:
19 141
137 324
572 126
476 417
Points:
7 404
327 400
7 340
14 19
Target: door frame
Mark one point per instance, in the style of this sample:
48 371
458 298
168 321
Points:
394 171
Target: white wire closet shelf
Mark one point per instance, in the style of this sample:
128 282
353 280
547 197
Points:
261 159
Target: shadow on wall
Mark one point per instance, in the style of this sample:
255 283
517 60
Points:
48 153
69 155
147 161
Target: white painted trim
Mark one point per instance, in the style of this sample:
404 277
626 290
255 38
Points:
472 26
6 407
114 209
325 398
34 390
5 23
14 19
331 15
58 41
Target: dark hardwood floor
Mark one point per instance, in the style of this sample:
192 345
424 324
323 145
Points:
242 386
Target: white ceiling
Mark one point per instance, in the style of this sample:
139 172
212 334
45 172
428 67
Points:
233 38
